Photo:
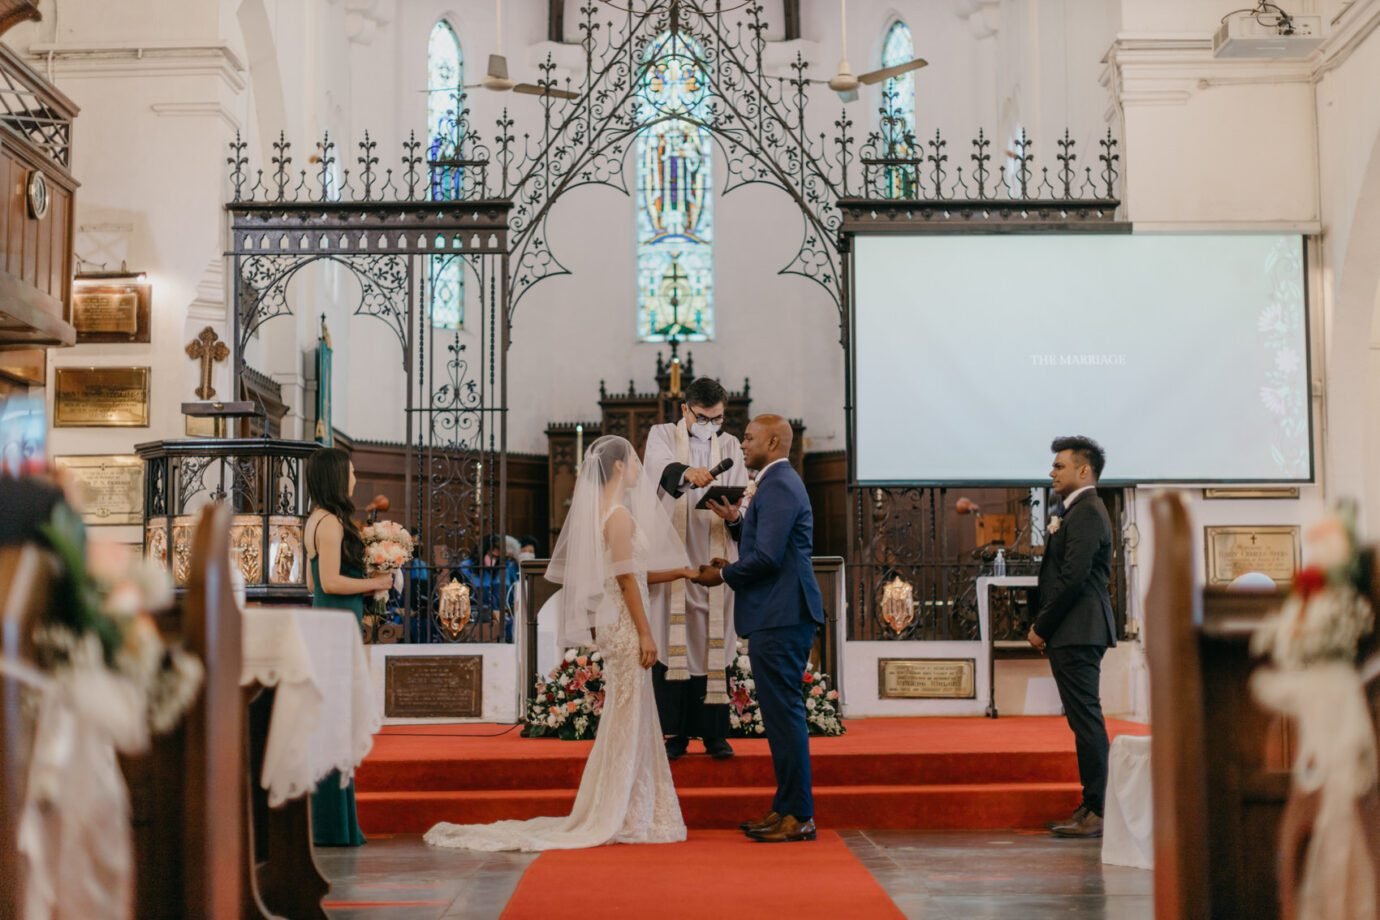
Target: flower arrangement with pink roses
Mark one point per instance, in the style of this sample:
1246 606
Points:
387 548
745 715
568 703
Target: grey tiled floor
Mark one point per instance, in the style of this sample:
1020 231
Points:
968 875
401 878
976 875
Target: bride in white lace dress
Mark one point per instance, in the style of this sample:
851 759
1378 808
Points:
617 538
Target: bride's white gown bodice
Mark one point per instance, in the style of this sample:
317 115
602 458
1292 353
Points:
626 792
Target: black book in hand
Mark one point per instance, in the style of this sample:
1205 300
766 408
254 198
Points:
730 494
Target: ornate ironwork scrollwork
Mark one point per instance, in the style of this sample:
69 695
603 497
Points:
488 202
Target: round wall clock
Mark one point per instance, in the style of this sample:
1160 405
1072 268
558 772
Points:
37 194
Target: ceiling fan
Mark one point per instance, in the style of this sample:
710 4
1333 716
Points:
845 83
496 76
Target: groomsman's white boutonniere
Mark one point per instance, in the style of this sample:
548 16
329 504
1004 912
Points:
1054 523
749 491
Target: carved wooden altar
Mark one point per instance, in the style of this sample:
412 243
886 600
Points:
631 415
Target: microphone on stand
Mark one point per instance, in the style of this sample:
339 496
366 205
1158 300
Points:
721 467
967 506
376 504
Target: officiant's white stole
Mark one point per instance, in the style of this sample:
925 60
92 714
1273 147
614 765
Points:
678 665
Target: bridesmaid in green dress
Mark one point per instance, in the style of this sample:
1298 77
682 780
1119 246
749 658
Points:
336 553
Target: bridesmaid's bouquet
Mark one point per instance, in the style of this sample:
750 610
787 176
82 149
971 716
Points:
387 548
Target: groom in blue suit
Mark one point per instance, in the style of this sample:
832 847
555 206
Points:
778 608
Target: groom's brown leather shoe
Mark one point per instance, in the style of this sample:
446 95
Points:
789 830
1090 825
766 823
1076 817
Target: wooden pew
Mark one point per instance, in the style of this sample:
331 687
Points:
1176 713
190 794
285 871
25 588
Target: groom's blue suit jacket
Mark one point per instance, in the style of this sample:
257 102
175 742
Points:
773 580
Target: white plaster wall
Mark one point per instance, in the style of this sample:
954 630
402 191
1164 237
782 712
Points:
165 85
1208 143
583 324
158 105
1349 182
1254 145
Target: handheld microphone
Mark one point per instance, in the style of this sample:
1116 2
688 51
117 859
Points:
722 466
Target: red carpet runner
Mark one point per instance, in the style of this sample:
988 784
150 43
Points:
713 874
885 773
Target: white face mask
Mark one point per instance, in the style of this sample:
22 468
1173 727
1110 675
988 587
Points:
704 430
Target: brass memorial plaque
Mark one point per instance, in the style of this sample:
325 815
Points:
101 397
110 488
111 312
1233 551
433 686
926 679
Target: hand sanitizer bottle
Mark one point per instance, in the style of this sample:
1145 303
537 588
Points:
999 564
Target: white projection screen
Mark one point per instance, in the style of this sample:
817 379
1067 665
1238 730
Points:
1185 356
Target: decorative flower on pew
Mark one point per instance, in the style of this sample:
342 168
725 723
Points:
101 642
745 714
570 701
1327 613
1312 678
387 548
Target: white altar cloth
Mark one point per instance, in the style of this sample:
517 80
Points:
325 713
1128 837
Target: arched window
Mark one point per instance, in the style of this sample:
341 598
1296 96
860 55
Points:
445 79
675 196
898 109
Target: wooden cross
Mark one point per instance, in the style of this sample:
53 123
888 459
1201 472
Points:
207 348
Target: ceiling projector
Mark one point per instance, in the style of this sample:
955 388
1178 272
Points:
1247 36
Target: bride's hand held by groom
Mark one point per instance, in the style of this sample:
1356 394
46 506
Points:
711 575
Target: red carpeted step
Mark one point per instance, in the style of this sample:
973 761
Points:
885 773
751 767
937 807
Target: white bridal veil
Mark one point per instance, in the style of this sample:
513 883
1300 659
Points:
583 563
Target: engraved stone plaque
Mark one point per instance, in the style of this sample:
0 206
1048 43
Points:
111 487
1233 551
433 686
926 679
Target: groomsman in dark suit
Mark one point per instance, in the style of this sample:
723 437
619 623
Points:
778 609
1075 625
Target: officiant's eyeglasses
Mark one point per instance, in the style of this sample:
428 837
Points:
715 420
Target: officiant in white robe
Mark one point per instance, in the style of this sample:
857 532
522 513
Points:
693 625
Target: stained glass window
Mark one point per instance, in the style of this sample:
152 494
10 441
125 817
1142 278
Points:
445 79
898 110
675 196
